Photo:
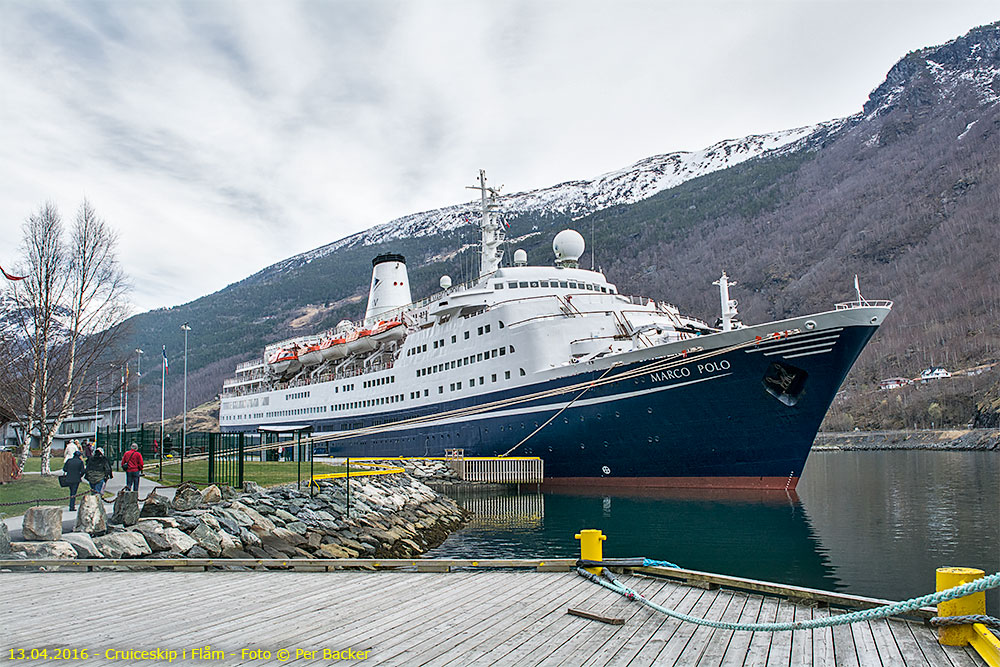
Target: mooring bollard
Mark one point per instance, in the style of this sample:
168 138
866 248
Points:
591 547
949 577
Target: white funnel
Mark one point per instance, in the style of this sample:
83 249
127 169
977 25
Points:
390 287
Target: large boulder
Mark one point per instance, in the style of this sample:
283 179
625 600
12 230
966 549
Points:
155 505
211 495
90 516
208 539
117 545
180 541
4 539
126 509
154 535
41 550
186 497
261 524
84 545
42 523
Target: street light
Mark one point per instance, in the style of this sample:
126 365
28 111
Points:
138 384
185 328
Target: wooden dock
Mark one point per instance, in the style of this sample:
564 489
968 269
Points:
466 617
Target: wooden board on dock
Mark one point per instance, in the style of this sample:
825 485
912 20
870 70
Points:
418 618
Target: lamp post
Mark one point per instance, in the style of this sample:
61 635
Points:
185 328
138 383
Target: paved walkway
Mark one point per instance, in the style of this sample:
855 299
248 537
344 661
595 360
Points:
114 485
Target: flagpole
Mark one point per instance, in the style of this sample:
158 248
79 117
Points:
163 384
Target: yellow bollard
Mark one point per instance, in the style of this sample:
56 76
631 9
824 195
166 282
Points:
949 577
591 547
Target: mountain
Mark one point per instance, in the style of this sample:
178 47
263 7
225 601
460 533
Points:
905 194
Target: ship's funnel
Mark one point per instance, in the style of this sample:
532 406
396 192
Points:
390 287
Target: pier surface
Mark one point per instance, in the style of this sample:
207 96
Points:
416 618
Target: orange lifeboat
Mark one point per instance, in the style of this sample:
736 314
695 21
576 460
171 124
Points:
285 360
310 355
388 332
362 342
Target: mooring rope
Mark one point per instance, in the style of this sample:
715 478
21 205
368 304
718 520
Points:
988 621
895 609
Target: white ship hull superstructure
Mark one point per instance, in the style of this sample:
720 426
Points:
552 361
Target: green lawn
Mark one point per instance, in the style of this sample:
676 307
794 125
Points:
34 464
265 473
34 487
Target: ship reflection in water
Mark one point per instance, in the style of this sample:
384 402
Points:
868 523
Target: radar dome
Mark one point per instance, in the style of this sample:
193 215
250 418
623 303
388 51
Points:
520 257
445 282
568 245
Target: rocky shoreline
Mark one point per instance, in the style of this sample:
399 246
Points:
386 516
945 440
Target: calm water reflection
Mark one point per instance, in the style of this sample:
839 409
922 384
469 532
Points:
869 523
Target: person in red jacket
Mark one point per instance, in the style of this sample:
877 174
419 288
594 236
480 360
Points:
132 465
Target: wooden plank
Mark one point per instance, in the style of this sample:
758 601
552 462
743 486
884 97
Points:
739 643
908 648
780 651
760 643
864 643
885 643
844 651
719 642
698 635
801 649
583 613
936 654
822 641
781 590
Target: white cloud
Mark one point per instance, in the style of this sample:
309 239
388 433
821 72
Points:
220 137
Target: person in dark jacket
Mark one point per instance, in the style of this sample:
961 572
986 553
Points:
74 473
98 471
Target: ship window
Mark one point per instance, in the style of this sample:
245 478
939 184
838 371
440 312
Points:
472 382
500 322
452 387
466 335
497 285
785 382
543 283
522 284
503 351
522 372
493 378
506 375
479 332
534 283
459 385
494 353
512 285
454 339
435 345
441 389
482 380
590 287
604 289
511 348
392 378
426 392
572 285
487 329
479 356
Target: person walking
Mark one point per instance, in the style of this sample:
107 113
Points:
68 451
74 473
98 471
132 465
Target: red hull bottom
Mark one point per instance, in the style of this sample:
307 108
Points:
761 483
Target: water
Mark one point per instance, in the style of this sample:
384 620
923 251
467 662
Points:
866 523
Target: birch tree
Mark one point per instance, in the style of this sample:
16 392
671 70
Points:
67 314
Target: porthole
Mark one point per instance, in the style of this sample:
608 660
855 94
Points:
649 410
810 324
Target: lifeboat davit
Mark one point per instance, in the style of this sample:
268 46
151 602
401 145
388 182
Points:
310 355
284 361
388 332
362 342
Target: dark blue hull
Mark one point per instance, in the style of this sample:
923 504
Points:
743 418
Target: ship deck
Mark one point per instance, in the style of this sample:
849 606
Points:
464 617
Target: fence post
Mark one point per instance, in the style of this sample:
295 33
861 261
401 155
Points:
211 457
239 460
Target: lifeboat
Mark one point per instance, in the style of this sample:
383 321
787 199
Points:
389 332
362 342
284 361
333 348
310 355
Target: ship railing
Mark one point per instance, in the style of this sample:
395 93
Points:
256 363
864 303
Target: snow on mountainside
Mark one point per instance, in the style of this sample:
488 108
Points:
576 198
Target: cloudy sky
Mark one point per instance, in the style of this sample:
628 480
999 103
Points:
219 137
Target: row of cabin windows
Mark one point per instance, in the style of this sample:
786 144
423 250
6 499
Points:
347 387
377 382
562 284
300 394
368 403
465 361
440 342
297 411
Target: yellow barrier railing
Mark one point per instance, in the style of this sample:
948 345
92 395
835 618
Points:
368 470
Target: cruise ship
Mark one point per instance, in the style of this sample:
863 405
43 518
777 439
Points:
610 390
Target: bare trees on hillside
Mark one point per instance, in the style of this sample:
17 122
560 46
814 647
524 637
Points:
60 321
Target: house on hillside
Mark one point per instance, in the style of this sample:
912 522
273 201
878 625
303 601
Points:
894 383
73 428
933 373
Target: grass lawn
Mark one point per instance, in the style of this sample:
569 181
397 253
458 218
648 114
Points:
34 464
265 473
34 487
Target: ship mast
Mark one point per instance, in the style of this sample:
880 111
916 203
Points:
492 234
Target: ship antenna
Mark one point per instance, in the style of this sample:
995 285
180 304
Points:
492 235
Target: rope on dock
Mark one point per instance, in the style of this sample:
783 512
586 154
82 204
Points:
895 609
988 621
626 562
